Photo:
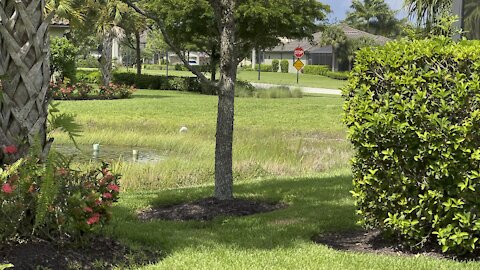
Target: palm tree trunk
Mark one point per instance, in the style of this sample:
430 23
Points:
138 52
106 58
24 44
224 9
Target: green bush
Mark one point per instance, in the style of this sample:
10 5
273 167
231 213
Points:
89 76
88 62
284 66
315 69
63 58
338 75
413 112
160 82
275 65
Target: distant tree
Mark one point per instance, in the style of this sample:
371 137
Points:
134 26
375 17
155 43
472 19
352 46
334 36
428 13
233 27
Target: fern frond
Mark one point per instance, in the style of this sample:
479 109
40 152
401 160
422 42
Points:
64 122
48 193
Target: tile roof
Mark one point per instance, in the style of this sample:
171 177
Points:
312 46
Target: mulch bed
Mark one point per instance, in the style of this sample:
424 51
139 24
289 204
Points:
375 242
208 209
99 253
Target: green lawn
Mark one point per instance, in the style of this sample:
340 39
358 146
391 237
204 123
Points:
289 150
291 79
306 80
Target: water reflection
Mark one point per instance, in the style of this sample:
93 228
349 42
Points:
109 153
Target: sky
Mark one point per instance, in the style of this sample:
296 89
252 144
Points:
340 8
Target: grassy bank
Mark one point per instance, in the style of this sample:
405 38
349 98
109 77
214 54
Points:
273 137
292 151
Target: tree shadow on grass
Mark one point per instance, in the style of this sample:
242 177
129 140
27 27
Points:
314 205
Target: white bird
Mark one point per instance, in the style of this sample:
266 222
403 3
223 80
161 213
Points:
183 130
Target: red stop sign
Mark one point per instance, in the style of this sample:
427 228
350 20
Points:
298 52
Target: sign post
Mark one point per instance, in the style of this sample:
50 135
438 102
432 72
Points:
298 52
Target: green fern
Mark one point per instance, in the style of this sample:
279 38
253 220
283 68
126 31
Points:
49 189
63 122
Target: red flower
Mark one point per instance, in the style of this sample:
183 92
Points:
93 219
107 195
10 149
98 202
7 188
114 187
62 171
88 209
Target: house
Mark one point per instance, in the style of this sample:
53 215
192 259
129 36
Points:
314 54
59 27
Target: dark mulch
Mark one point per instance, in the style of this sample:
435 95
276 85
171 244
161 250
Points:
208 209
99 253
376 242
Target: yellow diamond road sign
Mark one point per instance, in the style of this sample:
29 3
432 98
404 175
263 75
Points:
298 64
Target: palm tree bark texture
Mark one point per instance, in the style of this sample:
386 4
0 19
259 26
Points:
25 68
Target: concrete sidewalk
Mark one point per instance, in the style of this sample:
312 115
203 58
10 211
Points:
309 90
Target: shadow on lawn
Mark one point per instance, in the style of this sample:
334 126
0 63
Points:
315 205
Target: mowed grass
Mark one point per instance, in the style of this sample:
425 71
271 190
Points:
286 150
306 80
273 137
275 240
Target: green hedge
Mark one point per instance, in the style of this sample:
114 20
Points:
89 76
315 69
160 82
275 65
338 75
284 66
413 113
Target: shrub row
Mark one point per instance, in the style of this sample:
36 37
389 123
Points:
61 91
316 69
161 82
338 75
413 112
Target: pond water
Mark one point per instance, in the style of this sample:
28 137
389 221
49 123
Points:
109 153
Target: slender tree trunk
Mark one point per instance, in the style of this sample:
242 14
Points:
106 58
224 9
334 59
24 44
213 64
138 53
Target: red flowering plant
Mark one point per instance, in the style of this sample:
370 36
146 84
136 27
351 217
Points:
61 90
116 91
52 201
91 201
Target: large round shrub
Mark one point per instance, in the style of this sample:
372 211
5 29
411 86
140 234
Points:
413 112
63 58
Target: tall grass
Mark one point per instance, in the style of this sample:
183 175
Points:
273 137
274 92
